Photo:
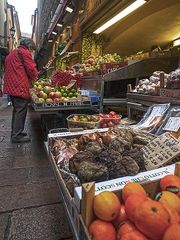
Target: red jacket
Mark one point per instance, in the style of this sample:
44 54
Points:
17 75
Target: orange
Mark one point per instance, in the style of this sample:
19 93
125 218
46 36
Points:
101 230
170 199
172 233
124 228
106 206
121 217
134 235
170 183
152 219
132 188
132 202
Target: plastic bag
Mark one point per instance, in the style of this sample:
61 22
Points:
153 118
171 122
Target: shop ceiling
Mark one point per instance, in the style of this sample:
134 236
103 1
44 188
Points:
155 23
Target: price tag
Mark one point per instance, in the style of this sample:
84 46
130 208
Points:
161 151
173 124
157 111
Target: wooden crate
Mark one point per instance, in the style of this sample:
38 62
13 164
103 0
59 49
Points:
88 193
171 93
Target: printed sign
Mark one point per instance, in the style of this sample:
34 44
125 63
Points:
161 151
110 67
173 124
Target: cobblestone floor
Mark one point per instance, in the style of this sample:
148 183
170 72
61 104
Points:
30 204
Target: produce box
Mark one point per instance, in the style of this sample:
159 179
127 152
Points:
172 93
88 194
84 121
109 120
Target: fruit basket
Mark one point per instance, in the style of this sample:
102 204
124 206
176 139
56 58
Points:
109 120
84 121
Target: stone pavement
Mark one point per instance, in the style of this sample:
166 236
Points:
30 204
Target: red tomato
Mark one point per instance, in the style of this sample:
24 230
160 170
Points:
112 113
110 124
104 125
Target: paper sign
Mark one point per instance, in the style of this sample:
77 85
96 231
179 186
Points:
161 151
173 124
158 111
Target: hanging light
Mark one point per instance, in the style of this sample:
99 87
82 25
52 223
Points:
50 40
121 15
12 31
59 25
176 42
68 9
54 33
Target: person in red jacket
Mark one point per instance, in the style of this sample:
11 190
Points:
20 70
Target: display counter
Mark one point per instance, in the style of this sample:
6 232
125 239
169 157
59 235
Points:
141 102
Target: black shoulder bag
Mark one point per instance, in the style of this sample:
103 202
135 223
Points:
22 61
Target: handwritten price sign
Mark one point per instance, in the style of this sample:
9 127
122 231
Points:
161 151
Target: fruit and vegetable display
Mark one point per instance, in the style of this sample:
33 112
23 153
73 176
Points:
84 121
93 63
134 215
109 120
45 92
173 80
148 86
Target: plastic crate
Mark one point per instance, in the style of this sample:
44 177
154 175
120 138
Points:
82 124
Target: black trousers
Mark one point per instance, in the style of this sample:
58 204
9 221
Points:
19 113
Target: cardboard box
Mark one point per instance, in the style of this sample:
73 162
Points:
118 183
171 93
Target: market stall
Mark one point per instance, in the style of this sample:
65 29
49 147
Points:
63 156
97 151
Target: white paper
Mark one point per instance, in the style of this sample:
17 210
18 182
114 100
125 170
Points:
173 124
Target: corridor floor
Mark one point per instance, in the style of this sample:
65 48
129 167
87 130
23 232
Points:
30 204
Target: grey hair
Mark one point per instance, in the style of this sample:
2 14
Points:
28 43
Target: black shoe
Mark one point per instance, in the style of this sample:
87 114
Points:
21 140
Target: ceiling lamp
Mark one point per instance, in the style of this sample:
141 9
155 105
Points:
59 25
69 27
68 9
54 33
121 15
176 42
50 40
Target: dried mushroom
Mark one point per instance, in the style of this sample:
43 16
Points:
94 147
89 171
130 165
119 144
75 161
137 155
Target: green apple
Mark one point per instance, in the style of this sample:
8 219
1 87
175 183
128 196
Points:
41 100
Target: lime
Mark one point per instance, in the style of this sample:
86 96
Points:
64 95
73 90
62 90
70 95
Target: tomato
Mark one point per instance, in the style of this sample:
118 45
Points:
110 124
112 113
